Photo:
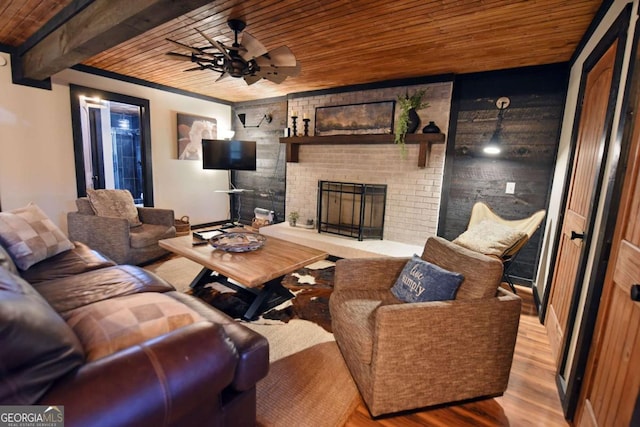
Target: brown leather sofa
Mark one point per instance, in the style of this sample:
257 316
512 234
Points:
177 361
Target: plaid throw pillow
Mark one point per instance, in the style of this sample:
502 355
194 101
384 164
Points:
30 236
108 326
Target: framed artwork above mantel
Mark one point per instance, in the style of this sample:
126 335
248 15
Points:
369 118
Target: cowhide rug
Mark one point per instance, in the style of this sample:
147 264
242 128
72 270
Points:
312 288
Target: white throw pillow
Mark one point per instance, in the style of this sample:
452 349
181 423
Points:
490 238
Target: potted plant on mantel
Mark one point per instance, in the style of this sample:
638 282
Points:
408 118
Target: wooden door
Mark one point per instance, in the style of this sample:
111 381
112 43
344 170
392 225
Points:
612 379
580 201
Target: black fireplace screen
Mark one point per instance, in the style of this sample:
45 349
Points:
350 209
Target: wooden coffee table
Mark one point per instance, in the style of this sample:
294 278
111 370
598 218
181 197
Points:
257 274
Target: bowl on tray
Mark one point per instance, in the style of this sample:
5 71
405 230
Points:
240 241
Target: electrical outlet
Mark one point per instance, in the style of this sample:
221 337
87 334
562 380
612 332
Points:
511 188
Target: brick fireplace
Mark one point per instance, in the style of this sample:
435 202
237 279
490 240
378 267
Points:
413 193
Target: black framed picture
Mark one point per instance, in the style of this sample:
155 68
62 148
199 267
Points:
355 119
191 131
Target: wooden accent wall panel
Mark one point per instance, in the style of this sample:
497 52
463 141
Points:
530 134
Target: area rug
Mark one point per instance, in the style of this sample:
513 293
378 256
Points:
306 394
312 286
308 382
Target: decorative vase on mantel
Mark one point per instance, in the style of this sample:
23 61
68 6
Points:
431 128
414 121
408 119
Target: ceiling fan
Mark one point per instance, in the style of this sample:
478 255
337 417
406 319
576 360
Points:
247 59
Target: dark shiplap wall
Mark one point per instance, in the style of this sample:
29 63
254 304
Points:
530 134
268 181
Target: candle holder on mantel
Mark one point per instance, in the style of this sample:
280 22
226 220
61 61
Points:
306 126
293 125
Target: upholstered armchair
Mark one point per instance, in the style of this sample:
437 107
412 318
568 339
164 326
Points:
404 356
115 237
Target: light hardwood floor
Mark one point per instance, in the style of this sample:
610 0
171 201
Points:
530 400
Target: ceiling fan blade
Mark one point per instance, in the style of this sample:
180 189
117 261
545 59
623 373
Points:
179 56
290 71
278 74
251 79
186 46
279 57
253 46
222 76
195 68
217 45
287 71
272 74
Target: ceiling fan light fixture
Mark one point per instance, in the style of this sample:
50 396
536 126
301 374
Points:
236 66
246 58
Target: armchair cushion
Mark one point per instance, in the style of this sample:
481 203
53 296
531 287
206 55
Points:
149 234
490 238
114 203
30 236
421 281
111 325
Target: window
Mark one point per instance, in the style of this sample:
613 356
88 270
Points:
112 142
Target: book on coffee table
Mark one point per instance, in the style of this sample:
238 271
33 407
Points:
207 234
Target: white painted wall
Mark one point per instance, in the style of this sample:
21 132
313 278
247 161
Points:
36 148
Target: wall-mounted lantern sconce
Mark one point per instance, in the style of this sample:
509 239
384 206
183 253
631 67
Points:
494 146
243 117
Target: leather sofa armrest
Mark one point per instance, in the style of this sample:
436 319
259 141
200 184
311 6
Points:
156 216
157 382
252 348
367 273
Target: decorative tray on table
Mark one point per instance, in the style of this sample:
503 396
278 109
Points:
241 241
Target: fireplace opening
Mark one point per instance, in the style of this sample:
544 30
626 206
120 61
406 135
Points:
351 209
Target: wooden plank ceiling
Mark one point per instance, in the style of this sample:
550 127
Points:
338 42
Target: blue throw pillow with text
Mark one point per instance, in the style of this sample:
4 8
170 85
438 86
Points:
422 281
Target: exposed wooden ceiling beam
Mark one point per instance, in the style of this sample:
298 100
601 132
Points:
100 26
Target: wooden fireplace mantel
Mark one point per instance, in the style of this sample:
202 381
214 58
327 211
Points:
424 139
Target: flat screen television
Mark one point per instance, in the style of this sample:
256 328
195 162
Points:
228 154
